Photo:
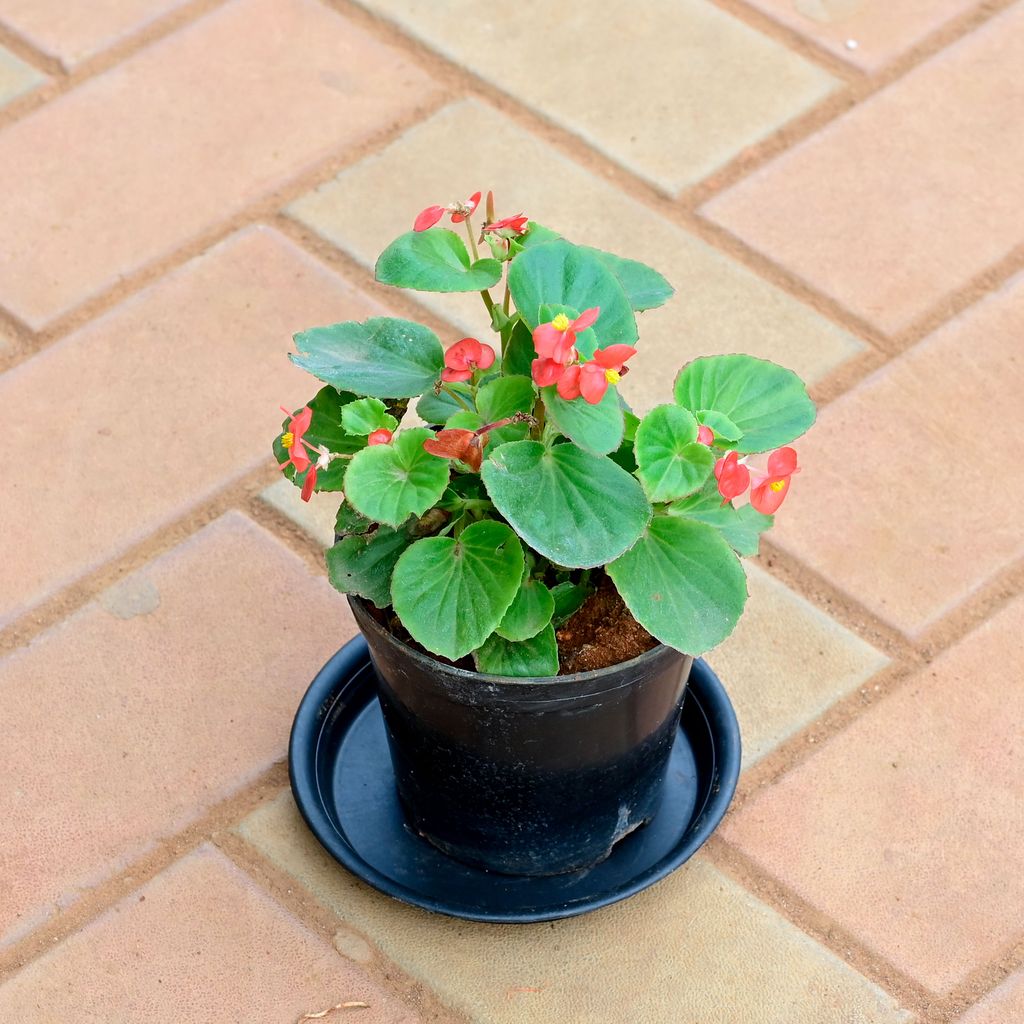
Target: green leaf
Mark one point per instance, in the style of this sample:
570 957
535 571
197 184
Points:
595 428
365 415
569 598
383 357
564 274
724 429
537 234
578 509
324 429
434 260
670 461
519 351
452 593
390 482
536 658
529 613
767 402
363 565
644 286
504 397
741 527
683 584
438 408
349 521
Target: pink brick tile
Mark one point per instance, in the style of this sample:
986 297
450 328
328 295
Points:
905 501
73 31
181 136
1005 1005
881 29
198 944
153 407
906 827
163 697
907 197
16 77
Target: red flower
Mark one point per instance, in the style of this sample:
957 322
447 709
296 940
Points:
309 483
459 211
548 371
464 357
514 224
705 435
292 439
555 340
467 445
732 476
769 491
591 380
381 436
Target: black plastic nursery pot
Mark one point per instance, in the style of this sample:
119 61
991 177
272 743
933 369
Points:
527 777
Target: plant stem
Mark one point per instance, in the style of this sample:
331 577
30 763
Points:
472 240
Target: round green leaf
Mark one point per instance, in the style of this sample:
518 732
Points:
565 274
390 482
366 415
766 402
529 613
519 351
434 261
644 286
595 428
741 527
383 357
437 408
724 429
535 658
363 564
683 584
451 593
505 396
670 462
578 509
325 428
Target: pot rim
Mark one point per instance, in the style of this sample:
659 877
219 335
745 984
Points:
572 680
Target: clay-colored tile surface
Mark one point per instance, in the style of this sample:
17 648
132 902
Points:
879 29
671 89
906 827
904 502
162 697
1004 1005
697 935
137 411
909 196
181 136
74 31
314 517
786 663
197 944
16 77
719 306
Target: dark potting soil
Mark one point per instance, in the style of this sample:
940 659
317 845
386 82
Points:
602 632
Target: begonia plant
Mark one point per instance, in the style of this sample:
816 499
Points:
484 524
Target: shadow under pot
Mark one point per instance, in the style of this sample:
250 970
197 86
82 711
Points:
526 776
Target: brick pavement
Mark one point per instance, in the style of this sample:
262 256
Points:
184 183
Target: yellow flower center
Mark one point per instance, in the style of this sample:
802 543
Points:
561 322
612 376
777 485
287 439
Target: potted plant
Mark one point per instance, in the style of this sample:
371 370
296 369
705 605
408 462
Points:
533 565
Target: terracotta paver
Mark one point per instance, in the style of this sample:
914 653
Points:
909 196
879 31
172 690
682 951
230 108
897 505
786 663
671 89
719 306
1001 1006
142 396
72 32
906 827
16 77
164 956
315 517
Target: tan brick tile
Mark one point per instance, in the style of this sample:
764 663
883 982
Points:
178 138
199 943
671 89
315 517
880 31
786 663
167 694
1004 1005
16 77
907 197
72 32
719 306
905 501
150 409
906 827
695 947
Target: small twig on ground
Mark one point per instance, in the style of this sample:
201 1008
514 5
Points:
350 1005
